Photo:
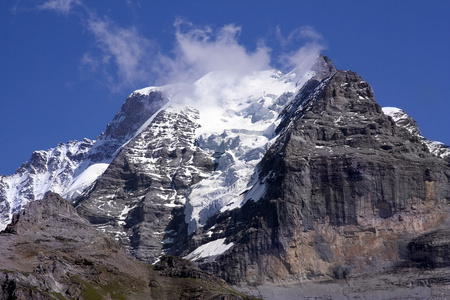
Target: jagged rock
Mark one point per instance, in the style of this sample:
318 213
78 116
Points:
402 119
57 169
177 267
148 180
46 170
136 110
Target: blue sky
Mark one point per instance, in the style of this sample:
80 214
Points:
67 66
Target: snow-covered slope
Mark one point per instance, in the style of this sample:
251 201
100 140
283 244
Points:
47 170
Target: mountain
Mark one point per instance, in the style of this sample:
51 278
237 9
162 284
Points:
345 189
265 180
70 168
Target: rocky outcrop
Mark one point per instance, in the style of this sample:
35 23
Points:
50 252
402 119
136 110
346 189
140 197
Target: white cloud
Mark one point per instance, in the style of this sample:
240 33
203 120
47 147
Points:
200 50
123 47
59 6
128 60
302 59
124 54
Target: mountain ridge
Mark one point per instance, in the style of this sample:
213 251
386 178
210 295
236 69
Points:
265 179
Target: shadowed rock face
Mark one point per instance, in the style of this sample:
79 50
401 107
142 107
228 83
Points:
346 189
50 252
134 113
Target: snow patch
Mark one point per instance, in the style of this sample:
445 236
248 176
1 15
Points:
390 111
209 250
84 180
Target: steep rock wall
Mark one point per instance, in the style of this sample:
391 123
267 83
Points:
140 197
346 191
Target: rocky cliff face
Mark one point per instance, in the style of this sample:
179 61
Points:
50 252
136 110
143 190
346 189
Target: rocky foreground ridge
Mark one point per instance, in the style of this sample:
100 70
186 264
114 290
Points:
50 252
310 190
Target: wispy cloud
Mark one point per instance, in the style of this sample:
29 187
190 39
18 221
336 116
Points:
124 48
200 50
59 6
303 32
301 58
126 59
122 55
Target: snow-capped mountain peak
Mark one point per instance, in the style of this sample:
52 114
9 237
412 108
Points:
236 117
70 168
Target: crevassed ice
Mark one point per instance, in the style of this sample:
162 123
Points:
238 117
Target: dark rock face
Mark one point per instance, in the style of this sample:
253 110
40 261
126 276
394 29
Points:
50 252
344 187
134 113
140 197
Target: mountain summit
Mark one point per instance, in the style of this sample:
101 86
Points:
261 178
